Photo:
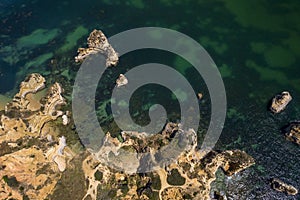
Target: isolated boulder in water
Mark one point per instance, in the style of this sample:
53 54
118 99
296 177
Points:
280 101
280 186
292 132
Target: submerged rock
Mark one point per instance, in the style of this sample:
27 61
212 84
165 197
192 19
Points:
292 132
280 186
98 43
280 101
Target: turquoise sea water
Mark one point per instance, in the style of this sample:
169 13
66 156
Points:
255 44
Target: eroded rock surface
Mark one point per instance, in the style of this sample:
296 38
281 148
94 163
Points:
292 132
23 100
27 168
122 80
280 186
189 176
33 157
98 43
280 101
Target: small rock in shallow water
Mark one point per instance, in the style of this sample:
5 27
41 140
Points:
280 186
200 96
280 101
122 80
292 132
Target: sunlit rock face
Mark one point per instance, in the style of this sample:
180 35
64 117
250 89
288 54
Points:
23 100
31 164
34 157
189 176
280 101
121 81
27 172
98 43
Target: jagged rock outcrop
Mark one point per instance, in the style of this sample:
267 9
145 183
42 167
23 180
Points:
187 177
98 43
280 101
292 132
23 100
122 80
280 186
138 150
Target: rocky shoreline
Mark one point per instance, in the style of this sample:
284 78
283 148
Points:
188 177
35 154
36 168
28 155
98 43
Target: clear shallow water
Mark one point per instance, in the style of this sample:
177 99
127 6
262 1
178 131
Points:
256 46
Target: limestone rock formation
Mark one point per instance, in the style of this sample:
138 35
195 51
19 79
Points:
280 186
292 132
98 43
60 154
23 100
122 80
26 170
22 169
280 101
49 112
189 176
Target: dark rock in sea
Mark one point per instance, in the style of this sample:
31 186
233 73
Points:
280 101
292 132
219 196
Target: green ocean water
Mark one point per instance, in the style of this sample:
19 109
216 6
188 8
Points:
255 45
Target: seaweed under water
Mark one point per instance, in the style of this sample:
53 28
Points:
254 44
